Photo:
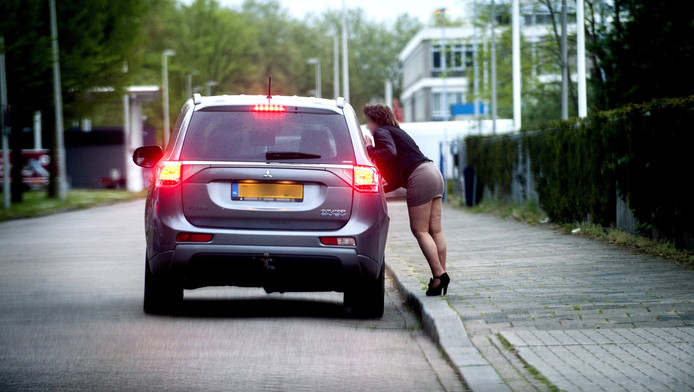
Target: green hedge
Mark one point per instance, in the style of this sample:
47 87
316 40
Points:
644 152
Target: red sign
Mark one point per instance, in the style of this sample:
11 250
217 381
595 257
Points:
35 171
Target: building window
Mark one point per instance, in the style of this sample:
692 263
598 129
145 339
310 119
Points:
456 59
439 111
469 55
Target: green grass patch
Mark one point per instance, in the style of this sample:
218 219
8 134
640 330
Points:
528 212
506 344
532 214
649 246
539 377
531 369
37 203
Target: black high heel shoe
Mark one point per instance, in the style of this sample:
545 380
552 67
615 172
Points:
443 287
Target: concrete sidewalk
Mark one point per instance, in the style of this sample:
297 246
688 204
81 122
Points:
543 309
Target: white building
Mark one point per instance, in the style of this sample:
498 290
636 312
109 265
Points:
422 98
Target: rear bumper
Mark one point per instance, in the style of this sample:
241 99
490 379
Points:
275 268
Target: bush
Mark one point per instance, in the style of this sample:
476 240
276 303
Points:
640 151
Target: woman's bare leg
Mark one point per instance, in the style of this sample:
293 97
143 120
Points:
436 231
420 219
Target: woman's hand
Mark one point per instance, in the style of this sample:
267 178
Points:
367 141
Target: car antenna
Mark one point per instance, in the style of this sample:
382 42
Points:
269 89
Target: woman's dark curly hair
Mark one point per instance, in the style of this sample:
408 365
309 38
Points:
381 114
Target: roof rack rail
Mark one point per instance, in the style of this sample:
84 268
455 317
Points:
197 99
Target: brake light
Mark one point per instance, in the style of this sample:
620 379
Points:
366 179
168 173
338 241
269 108
193 237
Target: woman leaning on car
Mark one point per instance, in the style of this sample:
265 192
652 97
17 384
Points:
402 164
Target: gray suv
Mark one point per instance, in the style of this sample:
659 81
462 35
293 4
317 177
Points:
272 192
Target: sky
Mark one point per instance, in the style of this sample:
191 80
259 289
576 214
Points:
382 10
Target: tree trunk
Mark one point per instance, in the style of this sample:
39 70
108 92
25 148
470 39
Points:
17 186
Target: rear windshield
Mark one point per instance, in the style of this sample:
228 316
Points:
247 136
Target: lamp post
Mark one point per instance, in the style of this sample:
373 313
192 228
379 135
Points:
345 53
316 61
4 129
444 60
564 66
165 76
189 83
336 66
492 59
581 58
476 70
516 64
209 85
58 99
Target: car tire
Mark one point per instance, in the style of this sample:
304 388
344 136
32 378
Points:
162 295
367 299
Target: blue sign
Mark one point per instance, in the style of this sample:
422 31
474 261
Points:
466 109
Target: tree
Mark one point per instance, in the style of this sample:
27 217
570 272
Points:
283 45
648 52
95 38
212 43
373 52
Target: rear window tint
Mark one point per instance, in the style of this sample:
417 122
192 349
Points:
247 136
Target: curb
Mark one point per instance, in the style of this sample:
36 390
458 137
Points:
446 328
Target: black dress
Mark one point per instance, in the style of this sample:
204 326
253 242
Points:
396 154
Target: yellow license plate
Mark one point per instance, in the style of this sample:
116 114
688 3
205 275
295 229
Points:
267 191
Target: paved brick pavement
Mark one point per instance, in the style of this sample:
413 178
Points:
587 315
611 359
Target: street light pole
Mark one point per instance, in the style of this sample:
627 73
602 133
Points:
4 129
581 58
209 84
58 98
345 55
189 83
444 61
336 66
316 61
516 65
476 83
493 61
564 66
165 76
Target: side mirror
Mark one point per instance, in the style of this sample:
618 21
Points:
147 156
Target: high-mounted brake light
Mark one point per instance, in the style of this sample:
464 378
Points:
168 173
366 179
269 108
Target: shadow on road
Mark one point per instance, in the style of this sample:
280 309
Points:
260 307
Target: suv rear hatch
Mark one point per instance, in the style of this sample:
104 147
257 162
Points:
285 169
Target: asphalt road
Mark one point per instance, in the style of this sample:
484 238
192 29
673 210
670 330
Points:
71 319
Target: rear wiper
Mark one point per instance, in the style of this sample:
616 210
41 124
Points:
274 155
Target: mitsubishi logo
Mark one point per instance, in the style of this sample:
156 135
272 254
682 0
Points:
267 174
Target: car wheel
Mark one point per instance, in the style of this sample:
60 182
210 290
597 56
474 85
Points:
162 295
367 299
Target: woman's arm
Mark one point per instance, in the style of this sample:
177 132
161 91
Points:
385 149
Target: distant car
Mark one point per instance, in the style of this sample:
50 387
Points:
277 193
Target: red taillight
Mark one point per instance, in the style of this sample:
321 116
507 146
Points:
193 237
269 108
168 174
366 179
338 241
